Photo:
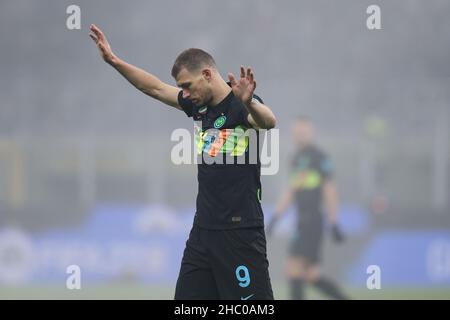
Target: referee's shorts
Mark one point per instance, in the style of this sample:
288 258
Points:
307 241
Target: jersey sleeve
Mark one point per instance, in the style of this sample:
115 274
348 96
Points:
256 98
185 104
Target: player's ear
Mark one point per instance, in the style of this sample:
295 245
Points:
207 74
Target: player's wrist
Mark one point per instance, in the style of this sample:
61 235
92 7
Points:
249 103
113 60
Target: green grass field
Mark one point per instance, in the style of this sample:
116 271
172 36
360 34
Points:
165 292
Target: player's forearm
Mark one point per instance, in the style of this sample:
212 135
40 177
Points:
142 80
262 115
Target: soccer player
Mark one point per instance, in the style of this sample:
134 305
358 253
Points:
225 255
310 185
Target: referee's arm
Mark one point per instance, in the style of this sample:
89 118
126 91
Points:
330 196
142 80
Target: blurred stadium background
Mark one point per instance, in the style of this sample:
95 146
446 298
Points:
85 170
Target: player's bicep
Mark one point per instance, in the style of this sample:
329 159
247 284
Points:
169 95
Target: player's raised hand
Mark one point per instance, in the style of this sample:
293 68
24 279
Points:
102 44
245 86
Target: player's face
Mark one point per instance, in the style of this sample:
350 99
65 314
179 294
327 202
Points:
303 133
195 85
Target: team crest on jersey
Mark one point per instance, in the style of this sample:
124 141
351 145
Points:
220 121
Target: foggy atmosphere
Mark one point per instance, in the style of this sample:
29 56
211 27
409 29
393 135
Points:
87 177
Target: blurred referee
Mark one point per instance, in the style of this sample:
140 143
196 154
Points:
310 184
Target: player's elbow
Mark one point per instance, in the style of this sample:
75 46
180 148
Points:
152 92
271 123
144 89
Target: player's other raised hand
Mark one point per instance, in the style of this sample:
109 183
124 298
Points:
245 86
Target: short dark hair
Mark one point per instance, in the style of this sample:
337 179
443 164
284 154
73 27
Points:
192 59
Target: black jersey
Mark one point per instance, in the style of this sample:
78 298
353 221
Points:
229 190
310 168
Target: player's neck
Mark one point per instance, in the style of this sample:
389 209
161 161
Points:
221 91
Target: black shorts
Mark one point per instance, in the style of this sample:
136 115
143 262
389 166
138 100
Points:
224 264
307 241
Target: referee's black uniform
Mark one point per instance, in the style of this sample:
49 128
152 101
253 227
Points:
310 168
